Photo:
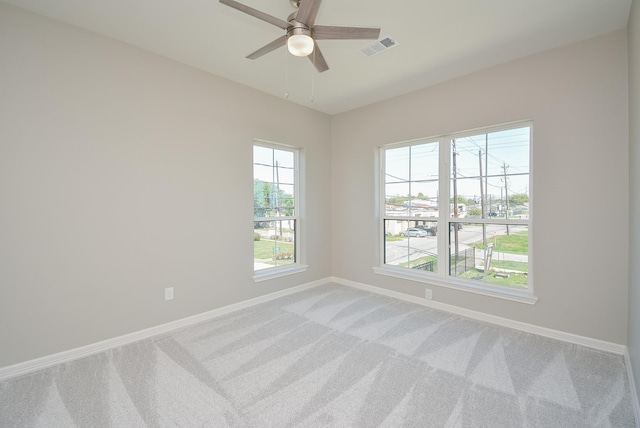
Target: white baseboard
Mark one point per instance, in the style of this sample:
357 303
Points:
493 319
83 351
632 386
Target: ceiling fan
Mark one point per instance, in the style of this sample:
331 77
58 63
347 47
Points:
301 31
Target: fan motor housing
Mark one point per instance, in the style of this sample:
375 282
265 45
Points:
296 28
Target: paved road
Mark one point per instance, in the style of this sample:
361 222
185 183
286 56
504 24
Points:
414 248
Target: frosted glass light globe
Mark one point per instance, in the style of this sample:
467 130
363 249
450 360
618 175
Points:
300 45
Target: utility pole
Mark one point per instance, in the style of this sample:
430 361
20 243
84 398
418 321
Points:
486 162
506 192
484 215
482 207
455 207
481 187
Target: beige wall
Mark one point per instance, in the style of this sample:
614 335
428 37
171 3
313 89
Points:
122 173
633 337
577 98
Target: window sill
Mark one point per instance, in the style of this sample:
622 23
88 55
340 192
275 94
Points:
278 272
470 287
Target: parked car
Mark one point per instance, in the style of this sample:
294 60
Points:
420 233
431 230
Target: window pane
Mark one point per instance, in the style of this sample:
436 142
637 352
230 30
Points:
411 244
502 248
262 155
397 189
510 151
411 180
490 174
425 162
273 244
397 164
396 199
424 179
273 182
264 201
284 159
467 182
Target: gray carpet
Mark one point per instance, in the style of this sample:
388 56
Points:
330 356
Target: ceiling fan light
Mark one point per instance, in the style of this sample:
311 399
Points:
300 45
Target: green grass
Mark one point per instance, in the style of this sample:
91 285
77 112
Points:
263 249
391 238
419 261
517 242
514 280
510 265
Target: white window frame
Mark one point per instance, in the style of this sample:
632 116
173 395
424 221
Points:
297 266
442 277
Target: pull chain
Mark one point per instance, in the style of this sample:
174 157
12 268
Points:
286 73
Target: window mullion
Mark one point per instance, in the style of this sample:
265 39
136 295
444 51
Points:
443 206
382 203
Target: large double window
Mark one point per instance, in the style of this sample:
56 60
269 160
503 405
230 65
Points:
456 211
275 209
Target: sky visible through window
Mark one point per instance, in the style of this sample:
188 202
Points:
275 169
414 170
499 155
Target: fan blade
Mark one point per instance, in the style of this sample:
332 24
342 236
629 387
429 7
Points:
318 60
328 32
256 13
280 41
307 11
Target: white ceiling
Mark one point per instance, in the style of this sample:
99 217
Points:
437 39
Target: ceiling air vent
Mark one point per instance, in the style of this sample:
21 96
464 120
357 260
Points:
379 46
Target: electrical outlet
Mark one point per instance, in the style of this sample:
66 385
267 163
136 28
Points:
427 293
168 293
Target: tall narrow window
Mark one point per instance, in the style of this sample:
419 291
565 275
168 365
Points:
411 206
456 210
275 207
